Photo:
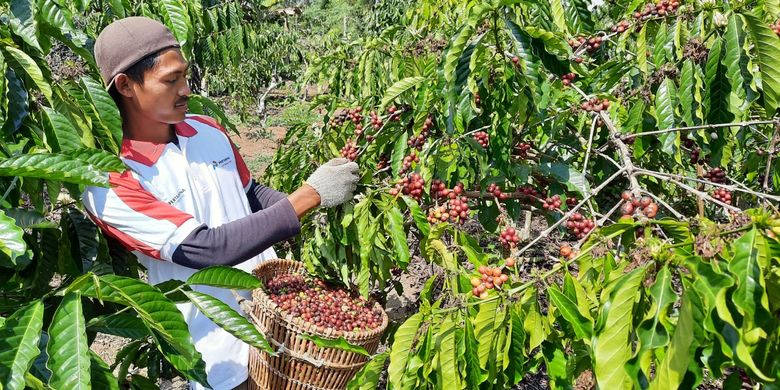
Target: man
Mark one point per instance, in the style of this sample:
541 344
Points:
187 200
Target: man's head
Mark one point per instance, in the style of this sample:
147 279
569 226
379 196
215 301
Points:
143 69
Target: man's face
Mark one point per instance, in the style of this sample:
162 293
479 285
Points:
163 95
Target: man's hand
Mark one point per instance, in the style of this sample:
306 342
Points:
335 181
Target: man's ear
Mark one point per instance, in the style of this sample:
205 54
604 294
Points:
122 83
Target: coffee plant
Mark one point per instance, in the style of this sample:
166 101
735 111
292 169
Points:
561 106
62 281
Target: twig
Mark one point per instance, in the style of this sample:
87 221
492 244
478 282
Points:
700 127
571 211
740 188
590 143
10 188
691 190
769 159
668 207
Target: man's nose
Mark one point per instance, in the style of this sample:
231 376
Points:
185 90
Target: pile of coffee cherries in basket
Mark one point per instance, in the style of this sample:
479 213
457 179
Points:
323 305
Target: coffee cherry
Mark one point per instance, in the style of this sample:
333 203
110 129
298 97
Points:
567 252
350 151
579 226
325 306
552 203
722 195
509 262
482 138
716 175
509 237
515 60
411 185
595 105
408 160
495 190
383 162
567 78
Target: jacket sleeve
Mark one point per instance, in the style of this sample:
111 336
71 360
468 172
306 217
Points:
143 223
261 197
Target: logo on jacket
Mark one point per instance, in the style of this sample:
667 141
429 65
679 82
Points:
176 197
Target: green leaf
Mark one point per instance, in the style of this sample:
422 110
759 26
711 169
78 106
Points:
641 49
368 376
578 16
565 174
339 343
102 377
18 105
671 370
399 152
175 15
447 355
160 315
768 51
106 109
611 346
559 16
224 277
485 329
687 95
395 225
718 87
119 324
529 62
583 327
19 344
29 219
100 159
52 166
12 243
67 348
399 88
64 135
23 22
400 352
228 319
735 40
665 99
23 64
749 296
653 332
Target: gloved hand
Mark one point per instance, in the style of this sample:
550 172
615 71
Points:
335 181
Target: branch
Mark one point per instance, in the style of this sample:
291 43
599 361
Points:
701 127
739 188
590 143
570 212
690 189
769 160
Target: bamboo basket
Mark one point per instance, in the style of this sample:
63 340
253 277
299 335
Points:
300 364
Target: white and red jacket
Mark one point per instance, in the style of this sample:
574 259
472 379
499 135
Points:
188 204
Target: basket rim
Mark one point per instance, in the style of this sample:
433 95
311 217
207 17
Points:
260 297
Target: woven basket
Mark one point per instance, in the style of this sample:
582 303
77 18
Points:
300 364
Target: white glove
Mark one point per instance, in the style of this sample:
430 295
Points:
335 181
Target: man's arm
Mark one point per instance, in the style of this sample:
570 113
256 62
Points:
261 197
143 223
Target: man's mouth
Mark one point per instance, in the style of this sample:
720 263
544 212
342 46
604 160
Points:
181 104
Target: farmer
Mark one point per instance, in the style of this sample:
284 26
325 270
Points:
187 200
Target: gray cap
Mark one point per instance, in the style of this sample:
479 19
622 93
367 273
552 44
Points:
126 41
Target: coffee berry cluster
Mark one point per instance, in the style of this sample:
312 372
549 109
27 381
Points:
552 203
659 8
621 27
322 305
593 43
482 138
716 175
523 148
634 205
417 142
509 237
568 78
495 190
567 252
395 115
579 226
529 191
457 207
408 160
595 105
722 195
571 201
491 278
411 185
350 151
376 121
383 162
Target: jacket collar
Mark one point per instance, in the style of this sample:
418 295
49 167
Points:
148 153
